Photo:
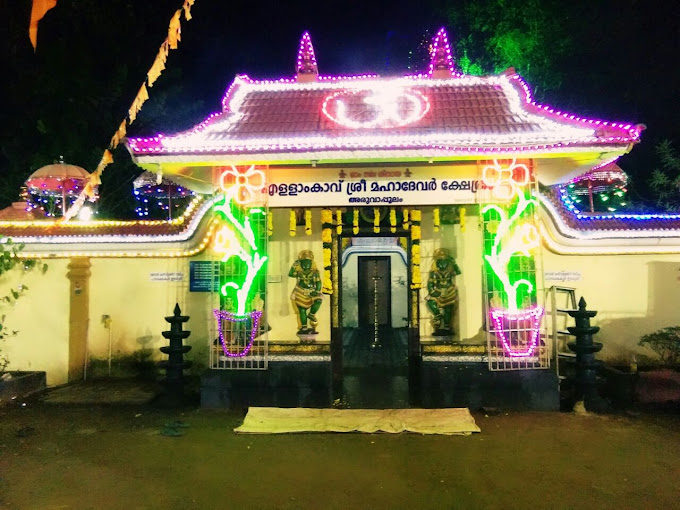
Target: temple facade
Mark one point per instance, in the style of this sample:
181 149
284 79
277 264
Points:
361 241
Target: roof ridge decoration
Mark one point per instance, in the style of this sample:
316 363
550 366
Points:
441 61
306 68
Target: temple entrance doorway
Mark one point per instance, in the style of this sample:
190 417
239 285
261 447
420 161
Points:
374 322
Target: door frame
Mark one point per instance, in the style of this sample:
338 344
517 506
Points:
413 300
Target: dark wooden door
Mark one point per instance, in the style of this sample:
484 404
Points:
375 280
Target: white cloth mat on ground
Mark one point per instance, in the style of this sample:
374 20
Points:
278 420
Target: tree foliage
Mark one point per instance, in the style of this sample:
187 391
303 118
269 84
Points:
69 97
666 343
490 36
665 181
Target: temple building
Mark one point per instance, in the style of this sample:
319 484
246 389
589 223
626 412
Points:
363 241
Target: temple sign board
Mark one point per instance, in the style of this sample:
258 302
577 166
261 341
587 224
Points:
366 186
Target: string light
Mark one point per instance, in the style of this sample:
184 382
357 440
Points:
553 133
221 315
533 314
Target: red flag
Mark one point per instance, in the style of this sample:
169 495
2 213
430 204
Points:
39 9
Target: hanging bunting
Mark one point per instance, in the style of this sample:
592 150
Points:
292 223
187 8
141 98
338 220
327 240
38 10
436 221
119 135
175 30
376 220
158 65
393 220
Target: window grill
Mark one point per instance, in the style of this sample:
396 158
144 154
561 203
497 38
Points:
239 326
516 338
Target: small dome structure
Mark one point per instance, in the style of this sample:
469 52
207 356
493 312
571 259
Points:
55 183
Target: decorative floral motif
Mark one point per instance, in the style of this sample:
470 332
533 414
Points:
243 187
505 181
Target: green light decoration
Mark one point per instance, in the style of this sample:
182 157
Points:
513 234
237 238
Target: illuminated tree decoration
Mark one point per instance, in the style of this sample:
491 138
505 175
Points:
509 239
237 238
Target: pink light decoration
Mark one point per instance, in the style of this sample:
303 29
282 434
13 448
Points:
558 131
392 107
533 314
634 131
306 60
441 61
222 315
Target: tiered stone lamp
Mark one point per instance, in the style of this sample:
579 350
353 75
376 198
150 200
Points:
175 364
585 349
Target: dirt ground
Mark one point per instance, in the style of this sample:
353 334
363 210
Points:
55 457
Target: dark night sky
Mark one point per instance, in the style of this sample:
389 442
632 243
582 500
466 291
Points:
624 66
626 70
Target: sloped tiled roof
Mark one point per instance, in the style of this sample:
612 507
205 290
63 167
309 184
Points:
101 231
463 113
658 223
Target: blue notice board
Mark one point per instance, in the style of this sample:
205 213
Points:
203 274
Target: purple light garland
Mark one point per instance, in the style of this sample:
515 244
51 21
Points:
232 317
497 316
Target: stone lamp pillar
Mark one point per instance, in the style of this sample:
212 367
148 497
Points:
585 349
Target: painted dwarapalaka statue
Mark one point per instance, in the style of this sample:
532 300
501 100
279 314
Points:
442 299
306 296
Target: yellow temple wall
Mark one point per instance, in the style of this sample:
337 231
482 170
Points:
465 244
136 296
632 294
283 250
41 319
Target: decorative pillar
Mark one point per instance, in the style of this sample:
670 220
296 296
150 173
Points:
79 316
336 326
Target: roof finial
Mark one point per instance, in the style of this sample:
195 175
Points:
441 62
307 69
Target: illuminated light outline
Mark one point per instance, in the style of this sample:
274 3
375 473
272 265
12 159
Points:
502 180
306 47
497 316
569 134
385 118
118 239
250 189
555 246
442 37
114 254
102 223
231 317
571 232
523 237
249 253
